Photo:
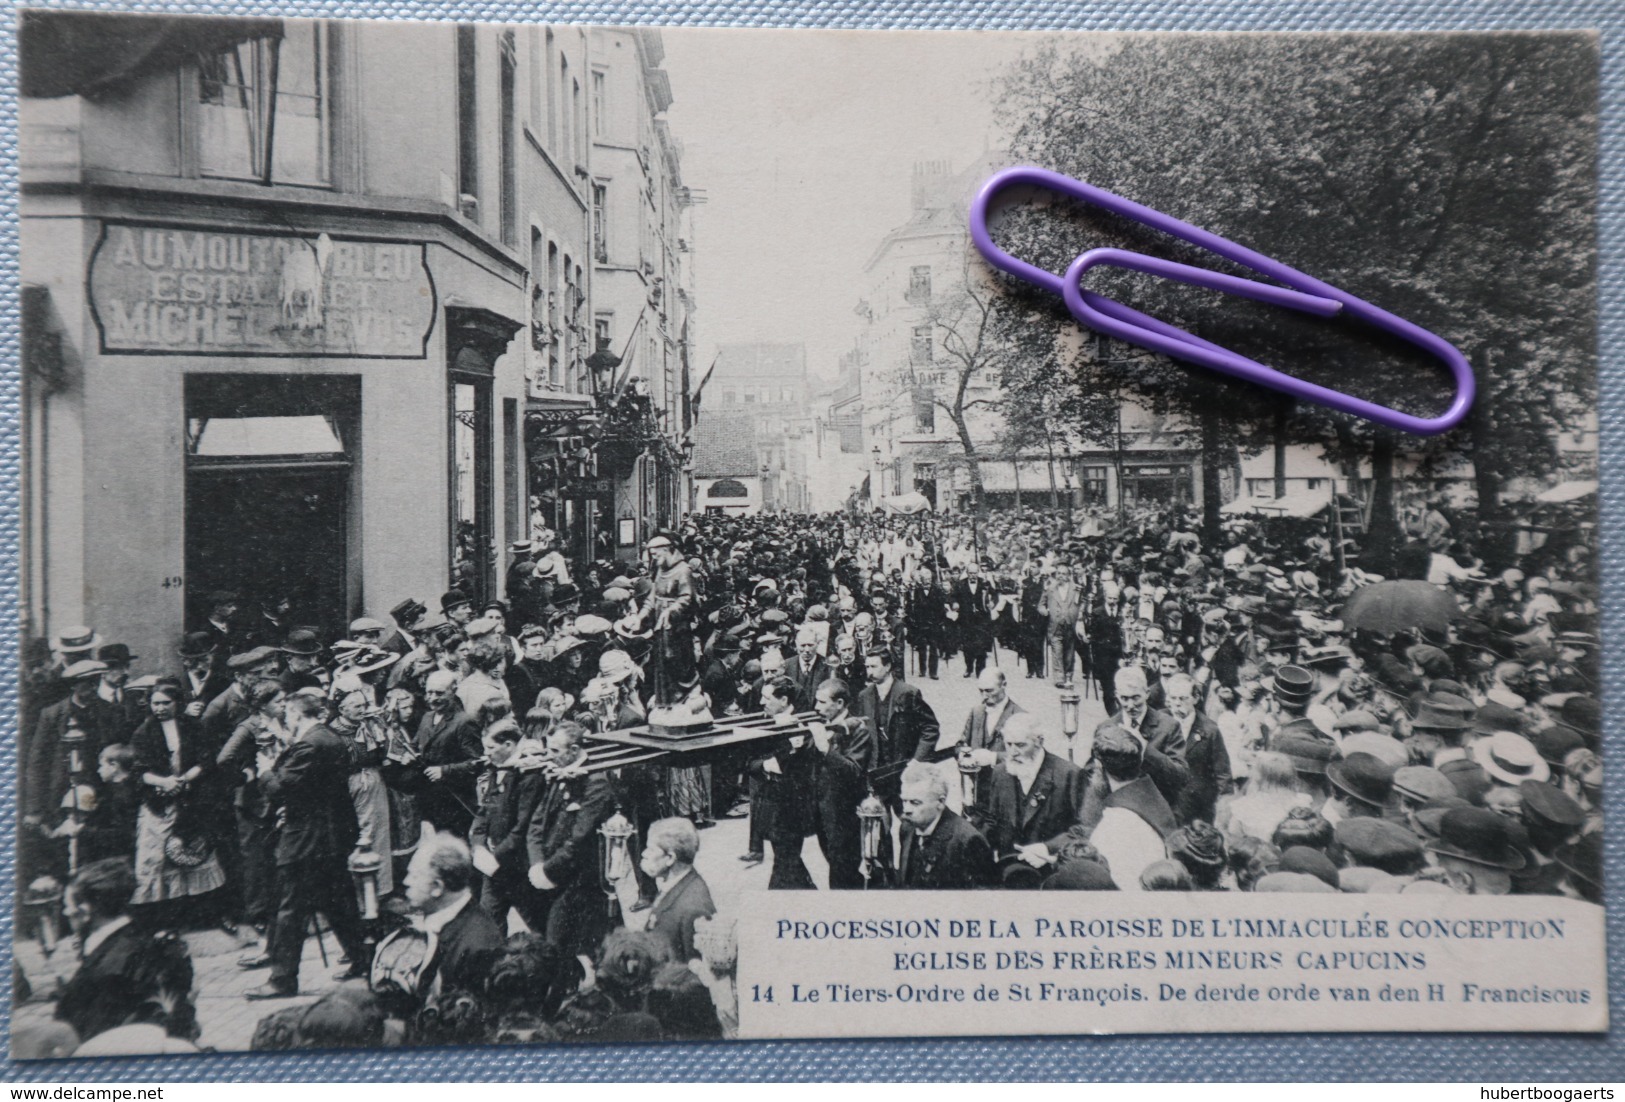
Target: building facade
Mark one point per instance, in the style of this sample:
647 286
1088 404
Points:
643 303
767 383
916 312
291 298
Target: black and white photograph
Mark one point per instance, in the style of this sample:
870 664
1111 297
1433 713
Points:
521 524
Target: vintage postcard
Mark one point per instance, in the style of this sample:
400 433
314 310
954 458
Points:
547 533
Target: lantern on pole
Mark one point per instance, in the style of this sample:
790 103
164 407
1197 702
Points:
73 745
1069 712
365 867
969 774
42 905
872 831
615 857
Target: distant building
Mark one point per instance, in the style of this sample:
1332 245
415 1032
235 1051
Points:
768 384
910 284
642 303
727 464
838 449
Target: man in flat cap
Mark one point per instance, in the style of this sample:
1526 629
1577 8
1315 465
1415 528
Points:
226 711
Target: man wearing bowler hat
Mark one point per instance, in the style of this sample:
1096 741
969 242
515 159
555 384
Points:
1293 690
457 606
1362 787
299 655
204 675
222 626
129 711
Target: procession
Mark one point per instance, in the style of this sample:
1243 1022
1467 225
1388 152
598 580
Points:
423 794
465 581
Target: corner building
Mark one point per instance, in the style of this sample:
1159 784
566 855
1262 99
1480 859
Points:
276 290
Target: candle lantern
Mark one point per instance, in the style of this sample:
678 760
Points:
365 867
615 856
1069 712
872 830
42 906
969 774
73 745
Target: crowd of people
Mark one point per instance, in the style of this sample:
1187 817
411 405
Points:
426 784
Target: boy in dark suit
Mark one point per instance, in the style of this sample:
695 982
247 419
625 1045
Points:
507 799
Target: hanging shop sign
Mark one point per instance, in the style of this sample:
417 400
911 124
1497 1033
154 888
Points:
181 291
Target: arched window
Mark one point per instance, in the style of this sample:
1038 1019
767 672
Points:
728 487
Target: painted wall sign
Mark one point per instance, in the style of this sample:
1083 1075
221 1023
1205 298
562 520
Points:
182 291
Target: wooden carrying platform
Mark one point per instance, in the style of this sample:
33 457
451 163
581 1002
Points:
727 737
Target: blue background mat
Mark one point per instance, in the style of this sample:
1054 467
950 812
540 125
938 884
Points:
1492 1059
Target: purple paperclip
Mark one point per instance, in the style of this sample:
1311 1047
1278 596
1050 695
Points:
1303 292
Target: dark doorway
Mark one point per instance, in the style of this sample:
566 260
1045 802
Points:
268 532
269 494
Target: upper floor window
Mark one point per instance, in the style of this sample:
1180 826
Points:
919 284
266 108
600 101
919 349
600 242
468 122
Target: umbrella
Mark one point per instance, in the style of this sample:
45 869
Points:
907 504
1567 491
1399 606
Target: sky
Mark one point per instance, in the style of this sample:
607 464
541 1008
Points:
804 142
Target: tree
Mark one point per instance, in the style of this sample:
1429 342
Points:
956 368
1449 179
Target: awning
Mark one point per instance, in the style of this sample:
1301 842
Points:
1298 503
907 504
76 53
1567 491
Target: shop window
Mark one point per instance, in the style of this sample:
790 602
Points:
265 108
472 533
259 437
728 487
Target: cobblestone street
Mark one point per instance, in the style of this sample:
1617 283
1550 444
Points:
228 1019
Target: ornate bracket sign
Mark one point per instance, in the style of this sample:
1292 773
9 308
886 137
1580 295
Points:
166 290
